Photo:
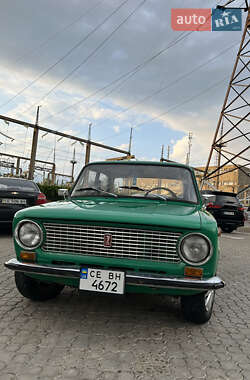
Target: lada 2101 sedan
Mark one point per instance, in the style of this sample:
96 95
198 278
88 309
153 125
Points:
137 227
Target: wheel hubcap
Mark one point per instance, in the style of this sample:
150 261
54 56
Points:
209 297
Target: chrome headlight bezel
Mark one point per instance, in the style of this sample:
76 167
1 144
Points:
194 263
17 237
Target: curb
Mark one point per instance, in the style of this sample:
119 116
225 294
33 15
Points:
244 229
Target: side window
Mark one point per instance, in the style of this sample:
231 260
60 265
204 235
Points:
88 180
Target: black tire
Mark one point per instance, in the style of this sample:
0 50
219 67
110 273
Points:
198 308
36 290
227 229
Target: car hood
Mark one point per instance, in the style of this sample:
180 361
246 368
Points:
122 211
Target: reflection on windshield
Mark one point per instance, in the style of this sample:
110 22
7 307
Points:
136 180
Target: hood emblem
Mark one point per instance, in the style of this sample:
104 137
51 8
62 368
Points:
107 240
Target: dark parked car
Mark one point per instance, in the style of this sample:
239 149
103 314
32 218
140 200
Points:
226 209
16 194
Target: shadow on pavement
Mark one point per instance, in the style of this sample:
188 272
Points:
5 230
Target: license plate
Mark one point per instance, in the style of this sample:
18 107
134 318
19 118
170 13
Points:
228 212
100 280
14 201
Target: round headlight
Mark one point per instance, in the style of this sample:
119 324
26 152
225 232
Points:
195 249
28 234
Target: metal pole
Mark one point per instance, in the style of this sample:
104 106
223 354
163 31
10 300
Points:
18 166
88 146
73 162
34 147
168 154
21 122
53 174
162 153
130 141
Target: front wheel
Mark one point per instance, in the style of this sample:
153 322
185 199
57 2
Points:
198 308
36 290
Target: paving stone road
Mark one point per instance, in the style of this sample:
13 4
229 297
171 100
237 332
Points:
78 336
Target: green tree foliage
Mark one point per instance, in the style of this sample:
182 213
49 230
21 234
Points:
51 191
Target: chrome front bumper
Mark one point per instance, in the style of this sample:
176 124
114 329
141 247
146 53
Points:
132 278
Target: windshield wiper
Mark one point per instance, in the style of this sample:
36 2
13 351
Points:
132 188
98 190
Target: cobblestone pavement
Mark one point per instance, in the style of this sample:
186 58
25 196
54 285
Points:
78 336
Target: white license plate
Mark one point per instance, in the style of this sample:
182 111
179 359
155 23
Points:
100 280
228 212
14 201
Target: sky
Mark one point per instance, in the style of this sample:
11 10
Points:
118 65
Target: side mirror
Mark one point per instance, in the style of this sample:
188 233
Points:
63 192
208 198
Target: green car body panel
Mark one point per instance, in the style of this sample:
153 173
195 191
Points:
125 212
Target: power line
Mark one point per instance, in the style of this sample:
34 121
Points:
86 59
184 102
143 100
65 55
174 107
58 32
126 75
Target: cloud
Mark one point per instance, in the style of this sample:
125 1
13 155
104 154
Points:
31 48
116 128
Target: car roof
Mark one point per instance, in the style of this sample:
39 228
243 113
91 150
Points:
22 179
129 162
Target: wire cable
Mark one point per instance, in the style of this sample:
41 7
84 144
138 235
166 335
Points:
218 83
167 86
58 32
130 73
65 55
125 76
86 59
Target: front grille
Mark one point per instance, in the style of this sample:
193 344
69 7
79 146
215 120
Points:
126 243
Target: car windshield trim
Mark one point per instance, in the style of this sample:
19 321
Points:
170 182
148 198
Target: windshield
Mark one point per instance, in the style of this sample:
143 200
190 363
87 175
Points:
226 199
17 184
139 180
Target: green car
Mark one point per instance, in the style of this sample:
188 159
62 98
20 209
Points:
125 227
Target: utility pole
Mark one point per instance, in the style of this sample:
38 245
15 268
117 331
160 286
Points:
190 136
18 166
168 153
88 146
130 141
73 162
162 153
34 146
61 134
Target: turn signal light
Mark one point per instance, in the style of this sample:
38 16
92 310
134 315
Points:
28 256
193 272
